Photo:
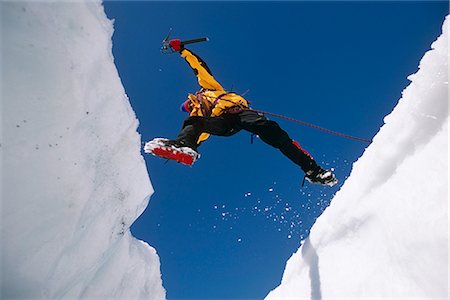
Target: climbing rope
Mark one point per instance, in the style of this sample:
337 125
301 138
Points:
312 126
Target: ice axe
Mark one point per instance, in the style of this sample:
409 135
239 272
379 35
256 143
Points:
167 49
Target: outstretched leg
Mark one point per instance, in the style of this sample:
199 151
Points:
271 133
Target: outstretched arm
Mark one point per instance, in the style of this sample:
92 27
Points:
201 70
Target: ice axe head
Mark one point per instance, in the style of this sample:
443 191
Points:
165 48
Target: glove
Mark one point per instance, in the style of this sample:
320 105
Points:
175 45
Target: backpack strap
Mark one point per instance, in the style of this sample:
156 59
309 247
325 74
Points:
219 97
205 107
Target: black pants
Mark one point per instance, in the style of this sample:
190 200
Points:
228 124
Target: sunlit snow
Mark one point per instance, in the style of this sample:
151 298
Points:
385 234
73 178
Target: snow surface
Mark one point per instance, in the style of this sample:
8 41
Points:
385 234
73 178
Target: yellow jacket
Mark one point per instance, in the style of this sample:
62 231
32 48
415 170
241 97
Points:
211 100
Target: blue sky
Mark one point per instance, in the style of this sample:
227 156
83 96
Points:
225 227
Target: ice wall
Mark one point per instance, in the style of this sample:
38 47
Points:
385 234
73 179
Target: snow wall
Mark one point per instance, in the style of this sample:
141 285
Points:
73 178
385 234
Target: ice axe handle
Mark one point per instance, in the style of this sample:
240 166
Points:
168 49
194 41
